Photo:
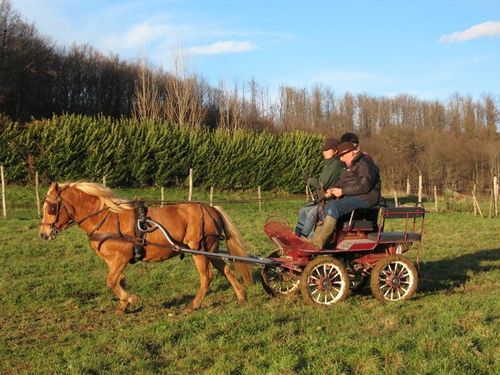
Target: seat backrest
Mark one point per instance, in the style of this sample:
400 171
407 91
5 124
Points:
370 214
360 219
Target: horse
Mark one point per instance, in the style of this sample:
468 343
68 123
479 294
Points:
110 224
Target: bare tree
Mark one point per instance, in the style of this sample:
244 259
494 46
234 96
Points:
184 102
147 104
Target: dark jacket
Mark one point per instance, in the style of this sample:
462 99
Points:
361 180
332 169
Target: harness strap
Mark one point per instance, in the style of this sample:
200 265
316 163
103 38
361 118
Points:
103 237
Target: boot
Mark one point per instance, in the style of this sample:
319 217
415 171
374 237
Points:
322 233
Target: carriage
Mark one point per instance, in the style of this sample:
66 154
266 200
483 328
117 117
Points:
361 250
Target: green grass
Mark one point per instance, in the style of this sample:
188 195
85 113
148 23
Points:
57 315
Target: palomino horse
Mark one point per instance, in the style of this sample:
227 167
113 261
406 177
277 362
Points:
110 224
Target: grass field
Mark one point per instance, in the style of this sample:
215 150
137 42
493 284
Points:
57 315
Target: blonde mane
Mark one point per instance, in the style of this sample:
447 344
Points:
105 194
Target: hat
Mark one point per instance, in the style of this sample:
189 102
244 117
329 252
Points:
330 143
349 137
345 147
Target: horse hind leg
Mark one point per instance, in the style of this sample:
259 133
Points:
225 270
205 273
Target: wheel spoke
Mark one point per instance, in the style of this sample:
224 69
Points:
332 269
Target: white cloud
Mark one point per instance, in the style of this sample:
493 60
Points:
489 28
223 47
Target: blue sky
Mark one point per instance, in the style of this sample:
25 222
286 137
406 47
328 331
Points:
429 48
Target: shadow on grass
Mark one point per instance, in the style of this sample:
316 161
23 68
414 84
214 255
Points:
447 274
178 302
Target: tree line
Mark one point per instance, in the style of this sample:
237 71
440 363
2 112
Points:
453 143
154 153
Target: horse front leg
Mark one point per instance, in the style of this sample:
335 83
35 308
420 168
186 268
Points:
205 273
116 281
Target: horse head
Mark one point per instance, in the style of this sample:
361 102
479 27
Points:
57 213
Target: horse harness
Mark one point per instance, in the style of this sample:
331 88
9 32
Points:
141 228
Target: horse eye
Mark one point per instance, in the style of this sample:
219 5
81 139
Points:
52 209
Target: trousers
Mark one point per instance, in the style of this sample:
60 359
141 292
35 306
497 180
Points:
307 219
339 207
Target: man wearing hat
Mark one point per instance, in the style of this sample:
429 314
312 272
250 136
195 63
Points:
358 187
332 169
354 139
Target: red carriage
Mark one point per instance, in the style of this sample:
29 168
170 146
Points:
360 250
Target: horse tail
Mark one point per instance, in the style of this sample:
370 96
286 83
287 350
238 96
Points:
235 246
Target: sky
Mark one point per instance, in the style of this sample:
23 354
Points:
432 49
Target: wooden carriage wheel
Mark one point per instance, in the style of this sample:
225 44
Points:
324 281
394 278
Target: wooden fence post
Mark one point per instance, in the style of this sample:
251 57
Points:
211 195
473 202
190 194
408 190
419 188
4 205
162 196
260 199
435 198
37 195
395 199
490 212
477 204
495 193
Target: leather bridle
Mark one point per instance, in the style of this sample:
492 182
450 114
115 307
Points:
55 208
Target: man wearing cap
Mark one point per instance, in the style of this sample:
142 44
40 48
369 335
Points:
354 139
358 187
332 169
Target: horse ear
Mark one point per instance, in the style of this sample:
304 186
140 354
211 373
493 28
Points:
56 187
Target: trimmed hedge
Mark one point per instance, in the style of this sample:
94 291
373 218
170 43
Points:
130 153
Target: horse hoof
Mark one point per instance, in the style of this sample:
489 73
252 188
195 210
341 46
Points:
119 311
134 300
190 309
